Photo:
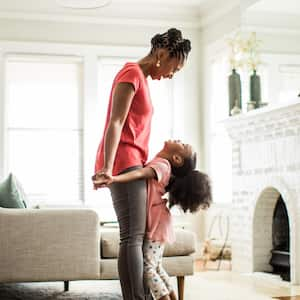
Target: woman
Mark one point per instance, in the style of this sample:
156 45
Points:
124 147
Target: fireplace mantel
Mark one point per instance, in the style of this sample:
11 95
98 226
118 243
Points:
258 122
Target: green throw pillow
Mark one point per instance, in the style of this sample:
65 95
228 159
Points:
11 193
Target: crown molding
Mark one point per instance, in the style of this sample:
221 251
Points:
188 19
193 24
271 30
46 48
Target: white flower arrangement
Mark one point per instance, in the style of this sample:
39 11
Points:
251 50
244 52
235 54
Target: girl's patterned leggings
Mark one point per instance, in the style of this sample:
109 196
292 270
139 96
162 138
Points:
155 276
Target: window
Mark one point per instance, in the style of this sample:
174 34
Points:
289 82
220 144
163 103
44 128
281 78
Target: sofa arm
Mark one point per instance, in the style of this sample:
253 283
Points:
49 244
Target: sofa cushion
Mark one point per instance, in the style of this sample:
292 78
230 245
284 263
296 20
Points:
184 244
174 266
109 243
11 193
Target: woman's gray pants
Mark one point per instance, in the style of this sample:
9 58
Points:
129 200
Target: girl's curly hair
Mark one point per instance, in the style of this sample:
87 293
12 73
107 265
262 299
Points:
190 192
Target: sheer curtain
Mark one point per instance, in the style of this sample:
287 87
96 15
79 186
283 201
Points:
44 128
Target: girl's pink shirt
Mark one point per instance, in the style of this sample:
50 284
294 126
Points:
159 220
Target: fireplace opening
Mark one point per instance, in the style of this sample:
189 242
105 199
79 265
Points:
280 258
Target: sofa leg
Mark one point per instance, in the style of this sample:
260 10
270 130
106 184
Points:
180 285
66 286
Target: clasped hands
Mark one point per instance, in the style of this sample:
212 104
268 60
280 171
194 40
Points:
101 179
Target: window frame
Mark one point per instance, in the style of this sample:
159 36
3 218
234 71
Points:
76 128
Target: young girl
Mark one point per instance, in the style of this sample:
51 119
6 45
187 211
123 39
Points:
172 170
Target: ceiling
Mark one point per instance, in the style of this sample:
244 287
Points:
286 7
52 6
117 7
188 11
275 16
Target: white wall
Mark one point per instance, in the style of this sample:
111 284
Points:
279 42
75 32
224 25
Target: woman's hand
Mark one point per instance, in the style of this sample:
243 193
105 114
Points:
103 181
102 178
102 172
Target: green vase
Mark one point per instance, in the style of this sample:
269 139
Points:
255 91
235 91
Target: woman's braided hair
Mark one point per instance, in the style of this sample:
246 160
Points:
172 41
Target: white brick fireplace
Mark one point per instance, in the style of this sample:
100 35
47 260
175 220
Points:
266 164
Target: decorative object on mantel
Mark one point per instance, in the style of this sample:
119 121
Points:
251 51
235 91
236 109
262 104
251 105
255 90
244 52
234 80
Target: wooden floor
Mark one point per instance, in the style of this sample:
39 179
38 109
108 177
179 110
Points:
225 265
288 298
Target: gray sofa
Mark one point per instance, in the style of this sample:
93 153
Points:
69 244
